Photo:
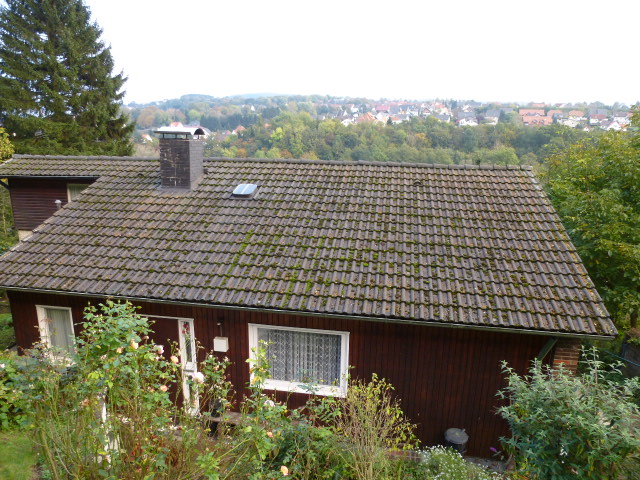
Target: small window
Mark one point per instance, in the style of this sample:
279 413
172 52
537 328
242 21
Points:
245 190
56 330
74 190
302 358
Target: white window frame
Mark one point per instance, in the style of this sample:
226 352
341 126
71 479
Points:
188 368
69 199
43 327
339 390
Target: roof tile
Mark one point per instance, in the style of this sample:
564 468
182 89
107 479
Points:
447 244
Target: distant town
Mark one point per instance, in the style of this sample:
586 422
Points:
217 114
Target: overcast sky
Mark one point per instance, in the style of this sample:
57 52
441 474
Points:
491 50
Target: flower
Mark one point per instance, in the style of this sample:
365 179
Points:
269 403
198 377
164 388
160 349
119 350
270 434
2 365
174 359
134 344
284 470
85 402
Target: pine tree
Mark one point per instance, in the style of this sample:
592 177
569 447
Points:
57 91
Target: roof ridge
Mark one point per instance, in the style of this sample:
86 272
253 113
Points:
300 161
86 157
369 163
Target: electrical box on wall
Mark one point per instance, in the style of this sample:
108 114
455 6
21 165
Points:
220 344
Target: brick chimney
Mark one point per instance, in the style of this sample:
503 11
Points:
181 154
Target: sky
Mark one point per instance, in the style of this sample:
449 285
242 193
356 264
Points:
491 50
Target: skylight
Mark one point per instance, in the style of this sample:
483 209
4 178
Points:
245 190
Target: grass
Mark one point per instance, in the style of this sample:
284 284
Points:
17 457
7 335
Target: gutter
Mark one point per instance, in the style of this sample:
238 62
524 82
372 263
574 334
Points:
527 331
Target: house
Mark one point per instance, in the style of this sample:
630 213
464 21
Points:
623 118
568 122
427 275
537 120
597 118
366 118
468 121
491 117
610 125
531 112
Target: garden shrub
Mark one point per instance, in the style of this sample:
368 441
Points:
109 411
270 441
368 423
567 426
7 333
13 405
447 464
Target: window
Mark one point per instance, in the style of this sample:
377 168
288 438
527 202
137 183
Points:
300 357
74 190
56 329
245 190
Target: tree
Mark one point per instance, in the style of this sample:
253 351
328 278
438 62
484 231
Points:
57 91
8 236
566 426
6 148
595 187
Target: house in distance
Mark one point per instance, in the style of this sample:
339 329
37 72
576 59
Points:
428 275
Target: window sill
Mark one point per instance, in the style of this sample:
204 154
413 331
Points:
296 387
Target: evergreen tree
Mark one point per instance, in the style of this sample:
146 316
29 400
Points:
57 91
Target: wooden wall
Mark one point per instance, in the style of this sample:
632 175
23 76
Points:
445 377
33 199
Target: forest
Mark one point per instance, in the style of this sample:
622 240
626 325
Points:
419 140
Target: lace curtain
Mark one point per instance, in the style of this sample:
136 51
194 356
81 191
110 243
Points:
304 357
60 330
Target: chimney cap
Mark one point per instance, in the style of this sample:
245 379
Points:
180 131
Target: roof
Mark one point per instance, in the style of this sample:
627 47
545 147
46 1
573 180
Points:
530 112
473 245
69 166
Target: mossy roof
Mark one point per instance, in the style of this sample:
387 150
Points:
476 246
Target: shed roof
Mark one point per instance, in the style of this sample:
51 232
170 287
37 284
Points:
474 246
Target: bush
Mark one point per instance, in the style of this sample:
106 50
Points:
109 412
447 464
7 334
369 422
270 441
13 405
566 427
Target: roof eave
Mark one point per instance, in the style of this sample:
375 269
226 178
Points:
432 323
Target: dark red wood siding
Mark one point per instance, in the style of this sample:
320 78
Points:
445 377
33 199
